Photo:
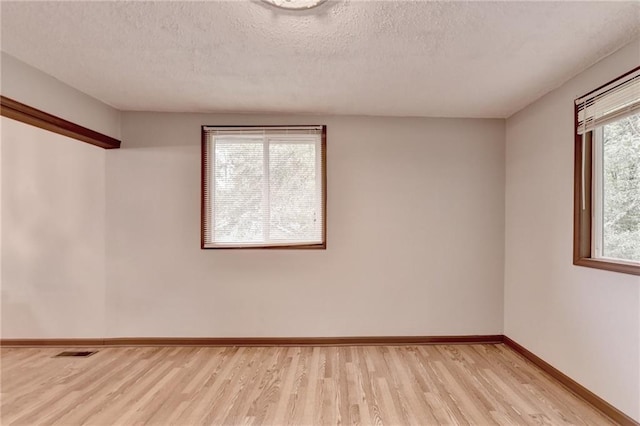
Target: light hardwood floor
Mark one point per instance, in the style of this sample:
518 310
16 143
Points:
391 385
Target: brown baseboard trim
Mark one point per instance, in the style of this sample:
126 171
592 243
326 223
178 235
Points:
50 342
575 387
18 111
307 341
258 341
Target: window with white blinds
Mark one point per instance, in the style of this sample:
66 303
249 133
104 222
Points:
263 187
610 103
607 176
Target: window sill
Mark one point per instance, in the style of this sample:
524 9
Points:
319 246
607 265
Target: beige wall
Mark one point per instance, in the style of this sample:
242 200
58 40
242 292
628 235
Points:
415 235
585 322
53 216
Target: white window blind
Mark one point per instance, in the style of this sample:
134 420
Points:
612 102
263 186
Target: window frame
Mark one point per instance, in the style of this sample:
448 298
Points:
583 219
265 246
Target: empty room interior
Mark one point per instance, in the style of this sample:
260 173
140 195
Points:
320 212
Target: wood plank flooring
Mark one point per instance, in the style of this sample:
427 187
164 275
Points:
367 385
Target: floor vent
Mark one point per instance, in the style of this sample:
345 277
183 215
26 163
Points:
77 354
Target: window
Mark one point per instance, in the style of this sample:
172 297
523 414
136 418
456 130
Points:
607 176
264 187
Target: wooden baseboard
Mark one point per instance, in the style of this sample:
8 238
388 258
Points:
308 341
257 341
572 385
51 342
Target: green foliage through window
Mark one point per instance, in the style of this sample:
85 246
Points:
621 189
263 187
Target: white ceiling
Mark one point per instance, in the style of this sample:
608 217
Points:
399 58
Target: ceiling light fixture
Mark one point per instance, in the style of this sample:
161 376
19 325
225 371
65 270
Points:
295 4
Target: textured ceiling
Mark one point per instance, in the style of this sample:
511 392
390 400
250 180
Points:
441 59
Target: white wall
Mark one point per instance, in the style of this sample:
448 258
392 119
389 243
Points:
415 229
53 216
52 257
583 321
415 235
